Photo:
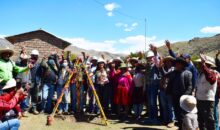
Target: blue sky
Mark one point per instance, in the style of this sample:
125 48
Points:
112 25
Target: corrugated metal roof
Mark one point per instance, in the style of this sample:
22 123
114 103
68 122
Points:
5 43
65 43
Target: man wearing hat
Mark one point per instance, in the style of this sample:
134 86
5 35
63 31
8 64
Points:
190 66
7 67
180 83
152 78
206 87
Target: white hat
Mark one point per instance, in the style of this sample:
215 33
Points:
35 52
188 103
93 58
110 61
100 60
149 54
10 84
118 59
208 60
134 59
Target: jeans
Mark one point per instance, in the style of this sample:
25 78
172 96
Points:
47 96
138 108
75 106
93 107
12 124
167 106
152 94
63 106
206 115
25 104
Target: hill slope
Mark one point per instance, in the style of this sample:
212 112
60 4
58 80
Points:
77 51
208 45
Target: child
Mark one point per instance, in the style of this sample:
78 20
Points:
188 104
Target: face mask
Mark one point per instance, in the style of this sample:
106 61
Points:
51 62
64 65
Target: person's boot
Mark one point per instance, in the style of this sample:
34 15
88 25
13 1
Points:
35 112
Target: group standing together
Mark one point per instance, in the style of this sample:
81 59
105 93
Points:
169 90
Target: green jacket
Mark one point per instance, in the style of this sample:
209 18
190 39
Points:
7 69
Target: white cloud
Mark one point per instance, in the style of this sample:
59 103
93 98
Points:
134 24
110 7
110 14
126 27
92 45
2 36
123 45
215 29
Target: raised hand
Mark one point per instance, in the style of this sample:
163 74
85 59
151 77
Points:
202 57
167 43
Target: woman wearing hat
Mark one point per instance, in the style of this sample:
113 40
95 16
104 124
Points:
206 87
123 90
138 92
8 101
102 84
166 66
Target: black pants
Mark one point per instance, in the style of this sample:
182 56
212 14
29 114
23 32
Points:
34 95
179 112
103 94
206 115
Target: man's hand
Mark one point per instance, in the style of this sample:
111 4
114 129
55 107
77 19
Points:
153 48
202 57
19 92
30 66
167 42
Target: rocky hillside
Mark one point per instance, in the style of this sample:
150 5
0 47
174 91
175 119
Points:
208 45
77 51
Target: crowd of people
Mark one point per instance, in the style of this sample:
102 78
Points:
169 90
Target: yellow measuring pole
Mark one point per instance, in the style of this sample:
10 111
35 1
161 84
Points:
96 97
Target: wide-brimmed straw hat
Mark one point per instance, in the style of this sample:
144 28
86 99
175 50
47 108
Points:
208 60
168 58
188 103
6 49
9 84
93 58
134 59
118 59
100 60
123 65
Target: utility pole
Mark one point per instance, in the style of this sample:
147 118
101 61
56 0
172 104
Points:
145 37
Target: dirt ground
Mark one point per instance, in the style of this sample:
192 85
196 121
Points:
85 122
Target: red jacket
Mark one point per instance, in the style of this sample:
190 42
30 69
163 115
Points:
9 101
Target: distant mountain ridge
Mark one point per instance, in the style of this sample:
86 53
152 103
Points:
208 45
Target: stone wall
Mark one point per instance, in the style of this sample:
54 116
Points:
41 41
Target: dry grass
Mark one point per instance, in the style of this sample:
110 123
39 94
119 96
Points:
33 122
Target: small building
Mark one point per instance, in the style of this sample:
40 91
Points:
41 40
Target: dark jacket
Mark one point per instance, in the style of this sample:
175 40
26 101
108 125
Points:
180 83
190 67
